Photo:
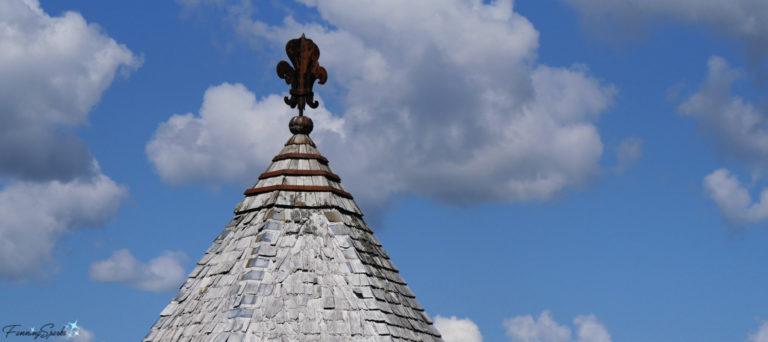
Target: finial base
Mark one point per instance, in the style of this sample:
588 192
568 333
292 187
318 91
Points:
300 125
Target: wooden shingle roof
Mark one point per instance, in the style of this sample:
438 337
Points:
296 263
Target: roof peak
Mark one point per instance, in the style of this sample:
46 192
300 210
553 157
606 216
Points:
306 69
299 139
297 262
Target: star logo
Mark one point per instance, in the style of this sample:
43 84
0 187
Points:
72 329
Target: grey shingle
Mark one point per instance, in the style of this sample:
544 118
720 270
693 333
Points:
295 265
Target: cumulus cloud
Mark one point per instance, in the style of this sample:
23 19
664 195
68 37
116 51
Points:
458 330
451 105
545 329
739 127
740 132
746 20
590 329
163 273
628 152
54 70
733 199
34 215
761 335
231 140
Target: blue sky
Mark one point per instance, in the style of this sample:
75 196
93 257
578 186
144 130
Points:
556 171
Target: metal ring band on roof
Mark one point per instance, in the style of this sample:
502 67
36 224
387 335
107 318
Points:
282 187
330 175
317 157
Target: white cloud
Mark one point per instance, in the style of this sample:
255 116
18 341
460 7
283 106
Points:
628 152
450 105
746 20
761 335
53 71
590 329
458 330
545 329
733 199
83 335
34 215
740 129
740 132
163 273
232 140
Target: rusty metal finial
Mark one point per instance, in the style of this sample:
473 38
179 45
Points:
304 55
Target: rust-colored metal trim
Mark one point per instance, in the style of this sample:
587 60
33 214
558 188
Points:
317 157
256 191
330 175
340 209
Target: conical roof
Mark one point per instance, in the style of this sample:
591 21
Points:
296 263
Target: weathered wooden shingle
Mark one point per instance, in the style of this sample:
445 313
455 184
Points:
295 264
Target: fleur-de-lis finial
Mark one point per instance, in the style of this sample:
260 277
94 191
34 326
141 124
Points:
304 55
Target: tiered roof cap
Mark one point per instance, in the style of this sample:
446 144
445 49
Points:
297 262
